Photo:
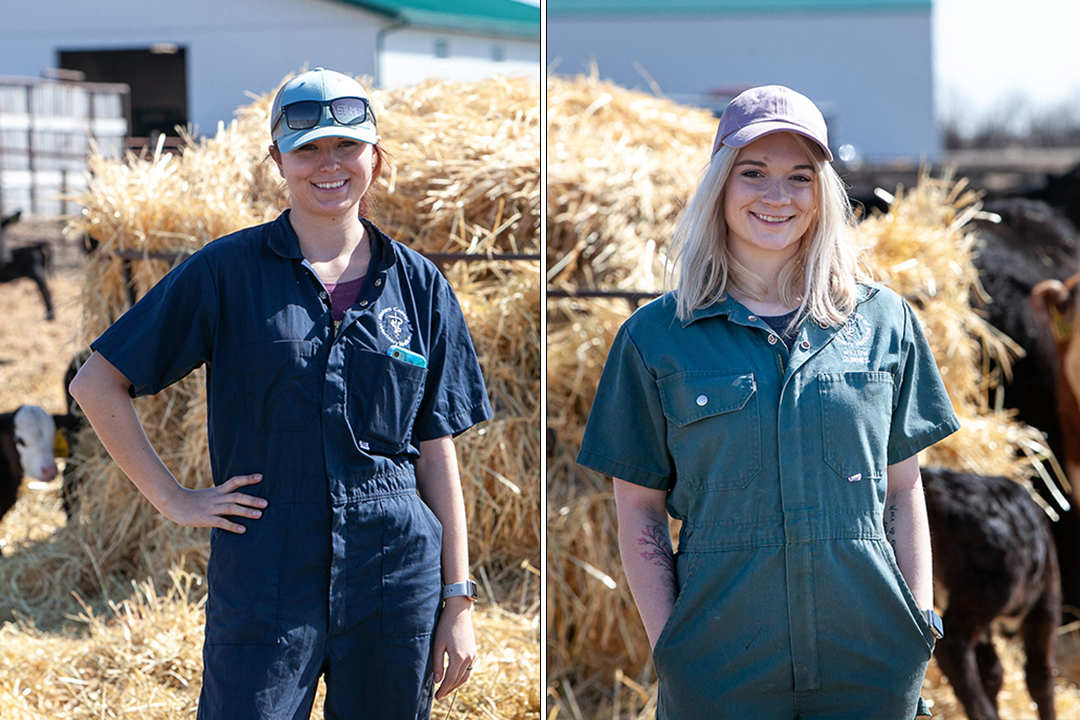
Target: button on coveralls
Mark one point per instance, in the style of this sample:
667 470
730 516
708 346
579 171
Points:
341 575
790 603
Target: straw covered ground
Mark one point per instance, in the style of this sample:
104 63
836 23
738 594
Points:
105 613
621 165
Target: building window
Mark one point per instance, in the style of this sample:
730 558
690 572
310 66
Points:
498 53
442 48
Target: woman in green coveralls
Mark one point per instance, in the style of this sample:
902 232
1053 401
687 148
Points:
778 402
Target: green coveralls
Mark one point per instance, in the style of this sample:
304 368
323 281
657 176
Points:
790 603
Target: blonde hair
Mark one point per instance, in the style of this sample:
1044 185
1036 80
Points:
820 280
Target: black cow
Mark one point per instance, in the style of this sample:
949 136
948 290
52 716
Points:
994 557
30 261
1031 243
70 425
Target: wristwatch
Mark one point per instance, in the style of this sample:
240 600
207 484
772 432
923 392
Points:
466 589
934 621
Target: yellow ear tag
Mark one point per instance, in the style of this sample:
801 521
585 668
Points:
1059 325
60 446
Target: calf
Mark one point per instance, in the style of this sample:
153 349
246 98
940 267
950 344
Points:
30 261
994 557
69 425
27 448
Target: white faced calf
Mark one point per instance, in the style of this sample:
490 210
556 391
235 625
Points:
27 448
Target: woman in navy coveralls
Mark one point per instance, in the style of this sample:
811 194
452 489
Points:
778 404
339 369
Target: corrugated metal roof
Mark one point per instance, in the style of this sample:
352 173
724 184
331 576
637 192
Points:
557 8
496 17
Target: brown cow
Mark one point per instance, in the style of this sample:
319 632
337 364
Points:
1054 304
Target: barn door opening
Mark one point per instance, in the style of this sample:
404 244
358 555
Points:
157 77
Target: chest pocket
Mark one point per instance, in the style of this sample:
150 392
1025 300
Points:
281 386
382 399
714 429
856 413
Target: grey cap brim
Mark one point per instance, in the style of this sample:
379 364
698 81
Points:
293 139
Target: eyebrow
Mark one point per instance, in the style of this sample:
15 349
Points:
758 163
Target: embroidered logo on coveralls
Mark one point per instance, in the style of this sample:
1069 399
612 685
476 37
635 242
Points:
854 340
394 324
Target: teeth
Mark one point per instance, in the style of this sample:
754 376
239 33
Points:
770 218
330 186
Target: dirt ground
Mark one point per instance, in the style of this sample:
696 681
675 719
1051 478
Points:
35 352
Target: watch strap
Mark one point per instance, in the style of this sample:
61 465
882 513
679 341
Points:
934 621
467 589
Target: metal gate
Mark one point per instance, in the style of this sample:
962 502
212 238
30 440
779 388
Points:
47 130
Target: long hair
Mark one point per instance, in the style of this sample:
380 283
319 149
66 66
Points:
369 202
821 278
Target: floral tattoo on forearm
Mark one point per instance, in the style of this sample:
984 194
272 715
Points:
655 542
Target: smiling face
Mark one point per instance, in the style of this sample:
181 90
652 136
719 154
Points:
327 177
769 200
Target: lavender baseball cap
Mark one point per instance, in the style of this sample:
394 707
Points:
770 109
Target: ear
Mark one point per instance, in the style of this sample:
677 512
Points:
1048 296
275 154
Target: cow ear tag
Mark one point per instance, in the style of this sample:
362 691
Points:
60 446
1059 325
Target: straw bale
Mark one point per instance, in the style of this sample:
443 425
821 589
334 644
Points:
141 657
500 460
608 222
620 167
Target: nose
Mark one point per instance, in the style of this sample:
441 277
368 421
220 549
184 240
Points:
48 472
776 193
328 158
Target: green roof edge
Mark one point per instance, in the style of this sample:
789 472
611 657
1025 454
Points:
473 24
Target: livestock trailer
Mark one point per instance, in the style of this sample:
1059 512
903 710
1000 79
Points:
48 127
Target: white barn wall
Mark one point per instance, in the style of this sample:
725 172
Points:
232 46
871 71
409 54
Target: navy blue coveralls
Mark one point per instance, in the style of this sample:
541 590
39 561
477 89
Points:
342 574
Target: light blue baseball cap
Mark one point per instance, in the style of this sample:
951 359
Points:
321 103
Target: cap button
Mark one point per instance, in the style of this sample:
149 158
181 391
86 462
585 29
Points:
701 400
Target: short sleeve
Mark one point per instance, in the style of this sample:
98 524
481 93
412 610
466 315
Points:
626 434
922 411
168 332
454 398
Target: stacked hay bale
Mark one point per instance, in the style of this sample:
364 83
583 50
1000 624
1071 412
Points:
464 177
621 164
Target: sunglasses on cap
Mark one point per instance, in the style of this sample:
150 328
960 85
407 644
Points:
306 114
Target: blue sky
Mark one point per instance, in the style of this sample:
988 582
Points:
992 54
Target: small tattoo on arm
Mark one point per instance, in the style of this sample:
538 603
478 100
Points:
890 527
657 548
